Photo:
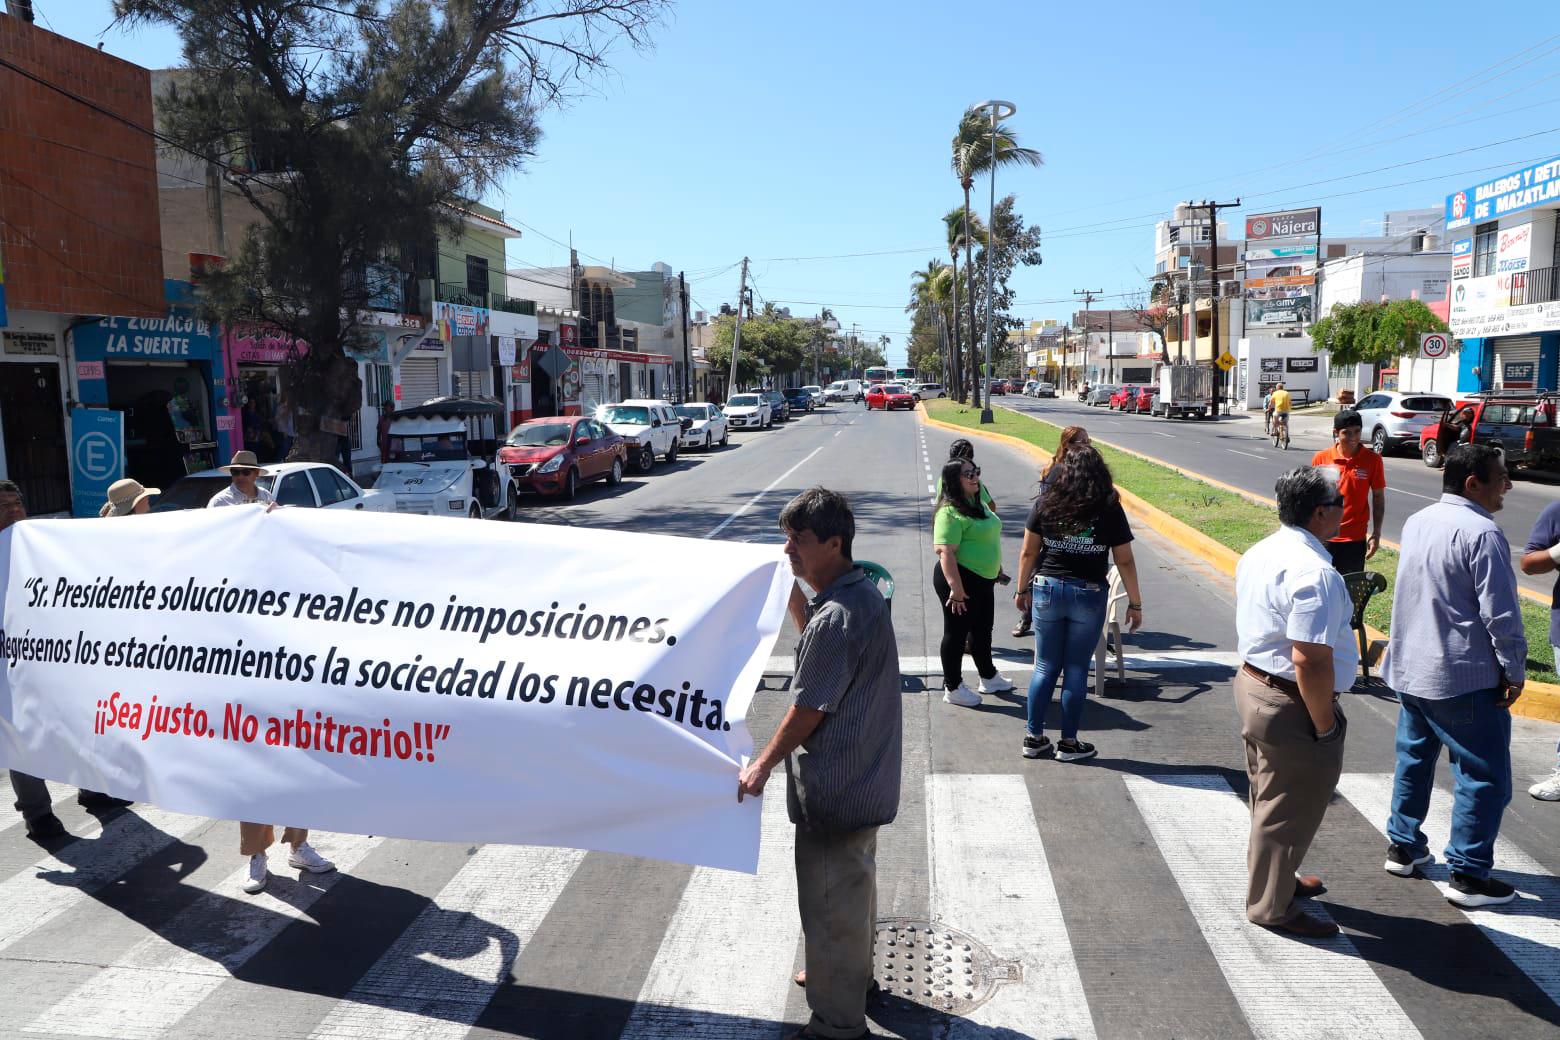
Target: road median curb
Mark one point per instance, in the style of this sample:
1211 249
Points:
1539 700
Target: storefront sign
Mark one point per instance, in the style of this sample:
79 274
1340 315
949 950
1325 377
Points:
457 319
97 458
1290 311
175 337
89 370
1518 375
1536 185
1272 364
1511 249
1281 252
1481 307
263 347
568 335
1301 364
1432 289
459 707
507 323
225 423
1289 223
431 345
375 348
386 319
1462 258
31 344
506 350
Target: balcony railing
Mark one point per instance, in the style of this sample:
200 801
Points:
1537 286
457 292
512 305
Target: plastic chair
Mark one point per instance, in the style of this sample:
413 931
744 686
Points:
1362 586
1115 615
879 576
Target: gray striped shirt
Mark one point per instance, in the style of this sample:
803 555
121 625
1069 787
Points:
845 776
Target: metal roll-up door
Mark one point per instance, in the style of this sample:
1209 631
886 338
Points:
1511 350
593 392
419 381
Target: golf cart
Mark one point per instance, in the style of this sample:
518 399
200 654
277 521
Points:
443 458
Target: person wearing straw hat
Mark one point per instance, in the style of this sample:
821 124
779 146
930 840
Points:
127 497
245 470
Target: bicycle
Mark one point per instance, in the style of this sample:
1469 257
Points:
1281 430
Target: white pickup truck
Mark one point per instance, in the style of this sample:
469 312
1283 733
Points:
649 428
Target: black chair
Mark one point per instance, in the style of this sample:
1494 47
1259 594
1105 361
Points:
1362 586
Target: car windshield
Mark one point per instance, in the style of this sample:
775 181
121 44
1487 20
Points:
694 411
743 400
812 389
550 435
836 386
1424 404
191 493
427 447
633 415
893 388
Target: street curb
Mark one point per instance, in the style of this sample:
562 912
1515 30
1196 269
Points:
1539 700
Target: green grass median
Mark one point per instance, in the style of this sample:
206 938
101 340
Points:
1227 518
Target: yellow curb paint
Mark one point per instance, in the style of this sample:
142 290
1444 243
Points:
1538 700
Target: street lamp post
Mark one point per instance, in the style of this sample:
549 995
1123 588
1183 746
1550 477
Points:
999 111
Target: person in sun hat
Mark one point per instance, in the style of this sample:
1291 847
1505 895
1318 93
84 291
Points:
128 496
245 470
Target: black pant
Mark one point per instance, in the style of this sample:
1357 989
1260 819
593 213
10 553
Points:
1348 557
973 625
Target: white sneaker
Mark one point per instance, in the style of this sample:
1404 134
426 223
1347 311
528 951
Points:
964 697
305 858
1547 789
257 874
996 684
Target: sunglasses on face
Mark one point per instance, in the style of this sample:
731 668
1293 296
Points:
970 474
244 472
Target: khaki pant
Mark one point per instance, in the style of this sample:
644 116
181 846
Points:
836 888
1292 777
255 838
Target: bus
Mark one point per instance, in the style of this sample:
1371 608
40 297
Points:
904 375
878 375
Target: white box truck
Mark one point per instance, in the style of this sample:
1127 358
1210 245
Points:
1185 390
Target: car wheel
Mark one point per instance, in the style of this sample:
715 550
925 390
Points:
671 454
1378 442
1432 455
512 509
646 459
571 485
709 442
616 477
475 512
725 437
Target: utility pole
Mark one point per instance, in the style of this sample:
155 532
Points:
1213 279
687 388
736 331
1089 296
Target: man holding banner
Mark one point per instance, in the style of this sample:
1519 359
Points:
844 783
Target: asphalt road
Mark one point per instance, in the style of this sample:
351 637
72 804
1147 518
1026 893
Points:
1234 450
1106 895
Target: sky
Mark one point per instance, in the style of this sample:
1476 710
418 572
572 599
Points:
814 137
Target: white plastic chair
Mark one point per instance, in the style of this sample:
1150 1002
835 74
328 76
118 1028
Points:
1115 615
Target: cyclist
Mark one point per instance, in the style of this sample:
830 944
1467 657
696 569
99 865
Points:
1279 399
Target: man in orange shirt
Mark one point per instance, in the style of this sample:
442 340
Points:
1363 481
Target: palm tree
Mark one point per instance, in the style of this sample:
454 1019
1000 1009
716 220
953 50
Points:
961 228
930 291
973 149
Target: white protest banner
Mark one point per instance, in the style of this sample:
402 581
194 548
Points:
404 676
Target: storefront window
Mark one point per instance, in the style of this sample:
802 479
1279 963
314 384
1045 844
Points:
1485 239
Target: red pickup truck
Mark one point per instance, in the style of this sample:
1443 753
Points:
1522 425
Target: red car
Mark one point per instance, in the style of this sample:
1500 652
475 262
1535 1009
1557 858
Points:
1123 394
1143 403
555 456
888 396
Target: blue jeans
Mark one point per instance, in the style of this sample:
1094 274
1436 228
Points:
1068 616
1476 732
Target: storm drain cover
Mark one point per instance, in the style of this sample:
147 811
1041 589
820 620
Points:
942 968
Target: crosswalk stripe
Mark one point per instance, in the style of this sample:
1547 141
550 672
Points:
702 982
1287 989
1526 930
165 976
991 879
485 917
32 899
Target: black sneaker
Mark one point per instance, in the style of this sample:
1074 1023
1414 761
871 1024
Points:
1402 861
1038 747
1467 890
1074 750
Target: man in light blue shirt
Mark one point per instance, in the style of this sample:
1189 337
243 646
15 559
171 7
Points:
1457 660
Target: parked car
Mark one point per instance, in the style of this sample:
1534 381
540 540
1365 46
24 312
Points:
1119 398
928 391
889 396
1145 402
748 412
312 485
817 395
1029 387
443 458
779 407
844 390
1392 419
998 387
1521 425
554 456
799 399
1045 390
1100 393
707 426
648 427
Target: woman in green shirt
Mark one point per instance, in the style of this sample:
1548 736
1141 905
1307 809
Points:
967 537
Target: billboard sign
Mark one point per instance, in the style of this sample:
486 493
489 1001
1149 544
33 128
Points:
1293 310
1512 247
1518 375
1289 223
1462 258
1535 185
1281 252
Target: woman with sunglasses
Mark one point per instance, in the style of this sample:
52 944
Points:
967 537
1076 529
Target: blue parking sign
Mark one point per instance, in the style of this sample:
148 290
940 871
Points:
97 457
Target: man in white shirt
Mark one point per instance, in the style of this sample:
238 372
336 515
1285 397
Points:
1292 614
245 471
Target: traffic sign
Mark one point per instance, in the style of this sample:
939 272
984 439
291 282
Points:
1226 361
97 457
1434 345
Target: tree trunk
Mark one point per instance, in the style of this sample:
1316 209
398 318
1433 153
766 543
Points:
957 389
969 273
321 383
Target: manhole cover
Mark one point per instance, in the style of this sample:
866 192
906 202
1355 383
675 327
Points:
940 967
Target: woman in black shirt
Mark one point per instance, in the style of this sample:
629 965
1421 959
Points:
1075 530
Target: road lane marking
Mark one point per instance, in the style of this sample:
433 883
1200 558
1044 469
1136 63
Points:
1400 491
55 884
1156 433
166 976
437 978
754 500
1248 454
1201 828
991 878
704 981
1526 930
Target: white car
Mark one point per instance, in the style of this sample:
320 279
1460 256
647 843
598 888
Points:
1392 419
443 459
709 426
650 427
748 412
817 395
312 485
1030 388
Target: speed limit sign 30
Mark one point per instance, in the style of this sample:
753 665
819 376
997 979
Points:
1434 345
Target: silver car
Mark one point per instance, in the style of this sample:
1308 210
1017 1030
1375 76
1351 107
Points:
1100 394
1392 419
